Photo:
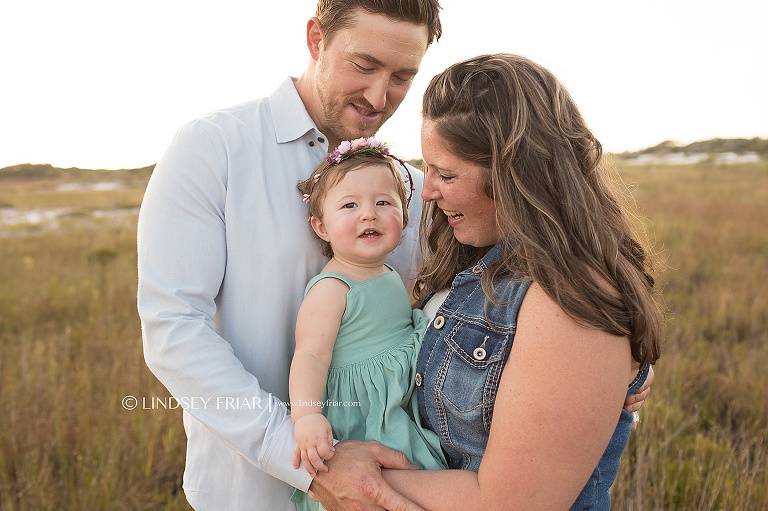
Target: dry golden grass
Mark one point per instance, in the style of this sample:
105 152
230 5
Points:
70 351
703 442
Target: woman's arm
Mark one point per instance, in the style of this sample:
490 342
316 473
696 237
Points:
539 454
317 326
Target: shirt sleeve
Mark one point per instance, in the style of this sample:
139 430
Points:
181 262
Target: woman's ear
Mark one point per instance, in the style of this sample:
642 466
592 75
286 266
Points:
314 38
319 227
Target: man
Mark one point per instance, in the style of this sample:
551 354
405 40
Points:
224 252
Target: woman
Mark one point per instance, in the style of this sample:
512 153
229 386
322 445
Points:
537 284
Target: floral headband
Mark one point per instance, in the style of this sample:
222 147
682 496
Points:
357 147
363 147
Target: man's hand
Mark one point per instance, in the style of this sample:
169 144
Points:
634 402
354 482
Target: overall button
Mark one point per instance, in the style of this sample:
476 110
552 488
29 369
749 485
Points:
419 379
439 322
477 269
479 352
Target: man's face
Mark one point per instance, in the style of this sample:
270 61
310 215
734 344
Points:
364 72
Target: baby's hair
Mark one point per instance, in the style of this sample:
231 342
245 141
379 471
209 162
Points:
330 172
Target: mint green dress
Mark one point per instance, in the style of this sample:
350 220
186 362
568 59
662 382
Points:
370 389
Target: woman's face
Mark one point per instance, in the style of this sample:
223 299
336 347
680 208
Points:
458 188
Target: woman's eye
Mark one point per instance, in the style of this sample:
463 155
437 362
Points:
440 176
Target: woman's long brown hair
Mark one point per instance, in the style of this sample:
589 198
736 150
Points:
559 213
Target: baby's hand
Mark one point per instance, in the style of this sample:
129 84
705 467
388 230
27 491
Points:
314 443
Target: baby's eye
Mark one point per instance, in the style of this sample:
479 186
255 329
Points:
382 203
350 205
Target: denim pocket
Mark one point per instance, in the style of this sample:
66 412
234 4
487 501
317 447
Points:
472 369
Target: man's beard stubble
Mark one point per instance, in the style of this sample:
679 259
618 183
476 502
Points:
333 111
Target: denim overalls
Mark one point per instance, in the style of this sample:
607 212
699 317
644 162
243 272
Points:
458 372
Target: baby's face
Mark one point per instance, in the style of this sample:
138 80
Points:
362 215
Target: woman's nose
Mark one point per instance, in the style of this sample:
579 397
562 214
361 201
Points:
430 190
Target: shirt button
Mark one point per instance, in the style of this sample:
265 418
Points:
311 143
439 322
477 269
479 354
321 140
419 379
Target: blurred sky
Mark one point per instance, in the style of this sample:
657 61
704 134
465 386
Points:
106 83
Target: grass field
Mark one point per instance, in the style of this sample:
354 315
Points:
70 350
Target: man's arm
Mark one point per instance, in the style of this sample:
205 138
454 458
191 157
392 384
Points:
181 262
634 402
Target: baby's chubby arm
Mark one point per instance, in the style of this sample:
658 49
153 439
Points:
317 326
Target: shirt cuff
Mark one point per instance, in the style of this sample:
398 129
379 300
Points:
277 459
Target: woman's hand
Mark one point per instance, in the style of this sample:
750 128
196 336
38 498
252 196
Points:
354 481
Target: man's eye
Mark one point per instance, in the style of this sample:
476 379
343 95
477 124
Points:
401 80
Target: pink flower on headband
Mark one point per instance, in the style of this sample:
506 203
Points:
357 146
360 147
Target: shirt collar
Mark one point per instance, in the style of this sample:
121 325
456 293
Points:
493 255
289 115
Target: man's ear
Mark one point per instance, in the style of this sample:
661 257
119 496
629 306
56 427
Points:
319 227
314 37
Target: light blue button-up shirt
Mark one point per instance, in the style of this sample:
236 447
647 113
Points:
224 254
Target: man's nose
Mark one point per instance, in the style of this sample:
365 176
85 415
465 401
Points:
376 93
